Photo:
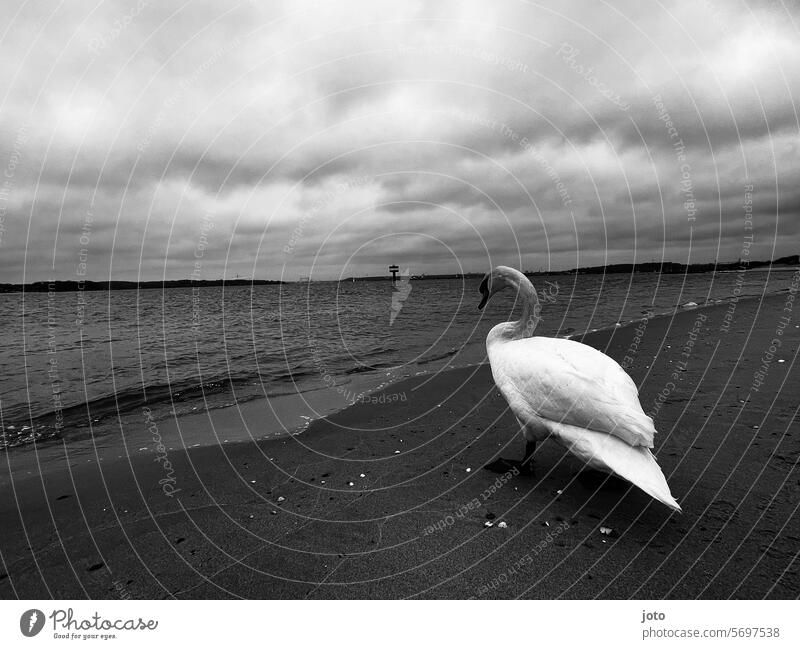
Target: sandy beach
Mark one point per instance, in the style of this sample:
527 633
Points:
389 498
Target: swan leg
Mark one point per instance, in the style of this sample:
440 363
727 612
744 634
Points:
523 467
526 466
532 433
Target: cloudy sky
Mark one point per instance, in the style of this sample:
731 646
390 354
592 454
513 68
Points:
145 139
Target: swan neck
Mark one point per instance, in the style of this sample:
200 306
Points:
525 326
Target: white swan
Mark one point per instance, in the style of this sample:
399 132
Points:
571 393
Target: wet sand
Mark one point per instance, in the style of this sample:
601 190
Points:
390 500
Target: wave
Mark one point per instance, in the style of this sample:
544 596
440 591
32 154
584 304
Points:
22 428
438 357
360 369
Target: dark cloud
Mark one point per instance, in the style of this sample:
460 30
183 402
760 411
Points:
502 131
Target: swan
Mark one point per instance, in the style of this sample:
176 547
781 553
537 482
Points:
571 393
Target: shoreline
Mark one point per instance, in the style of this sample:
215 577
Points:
341 510
320 401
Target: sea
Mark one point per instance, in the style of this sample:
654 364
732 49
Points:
73 365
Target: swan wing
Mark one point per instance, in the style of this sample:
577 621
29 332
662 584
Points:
571 383
608 453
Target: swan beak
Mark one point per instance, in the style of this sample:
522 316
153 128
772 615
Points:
484 289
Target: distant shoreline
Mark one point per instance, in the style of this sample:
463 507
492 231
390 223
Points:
62 286
667 268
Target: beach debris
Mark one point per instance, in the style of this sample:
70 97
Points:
362 475
780 360
252 482
281 499
273 512
502 525
606 530
488 524
322 482
397 452
350 484
560 491
755 427
546 524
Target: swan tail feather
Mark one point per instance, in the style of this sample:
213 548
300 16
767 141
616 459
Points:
636 464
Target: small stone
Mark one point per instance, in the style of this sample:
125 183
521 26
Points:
349 484
397 452
502 525
362 475
281 499
468 469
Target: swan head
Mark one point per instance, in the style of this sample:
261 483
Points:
499 278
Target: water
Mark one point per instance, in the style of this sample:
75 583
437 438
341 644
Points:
71 359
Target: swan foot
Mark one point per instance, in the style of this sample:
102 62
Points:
521 467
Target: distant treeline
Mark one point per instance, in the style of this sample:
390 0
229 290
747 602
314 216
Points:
671 267
667 267
115 285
